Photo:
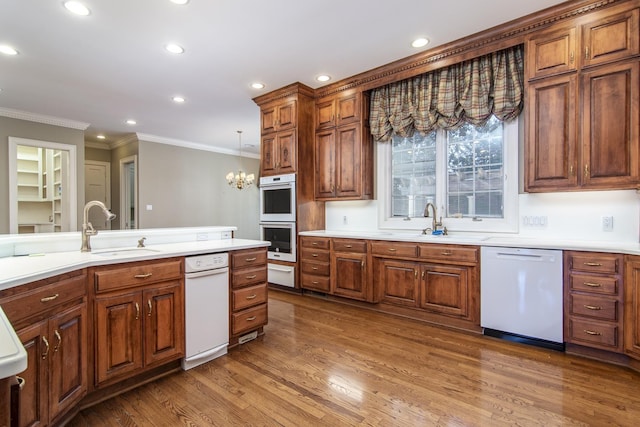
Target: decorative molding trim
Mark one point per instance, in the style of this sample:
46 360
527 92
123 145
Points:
41 118
98 145
192 145
123 141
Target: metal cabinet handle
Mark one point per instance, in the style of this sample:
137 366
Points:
571 57
348 246
142 276
314 243
250 259
447 253
593 264
51 298
150 307
250 319
586 52
586 331
314 282
252 296
314 268
392 249
592 285
314 255
21 382
137 311
59 338
253 276
592 307
586 171
46 351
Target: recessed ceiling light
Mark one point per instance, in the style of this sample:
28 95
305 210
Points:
323 78
180 1
7 50
257 85
130 122
178 99
100 136
421 42
174 48
77 8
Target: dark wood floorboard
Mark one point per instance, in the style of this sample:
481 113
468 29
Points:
321 363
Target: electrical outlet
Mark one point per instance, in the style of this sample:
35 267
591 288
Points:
345 220
607 223
537 221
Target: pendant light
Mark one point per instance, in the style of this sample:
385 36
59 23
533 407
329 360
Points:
240 180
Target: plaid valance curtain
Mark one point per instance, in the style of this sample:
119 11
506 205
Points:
446 98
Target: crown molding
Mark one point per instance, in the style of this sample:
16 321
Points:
192 145
123 141
41 118
98 145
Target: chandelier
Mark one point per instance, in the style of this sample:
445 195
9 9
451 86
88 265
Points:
240 180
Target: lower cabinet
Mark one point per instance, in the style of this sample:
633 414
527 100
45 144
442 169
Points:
397 281
50 317
349 276
444 289
632 307
139 318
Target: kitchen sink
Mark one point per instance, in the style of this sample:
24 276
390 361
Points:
450 238
125 252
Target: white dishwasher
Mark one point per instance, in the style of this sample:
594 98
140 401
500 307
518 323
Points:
206 293
521 295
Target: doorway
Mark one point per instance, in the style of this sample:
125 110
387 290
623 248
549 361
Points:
97 186
128 193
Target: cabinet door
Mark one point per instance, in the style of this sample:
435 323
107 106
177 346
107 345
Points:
268 154
268 118
610 126
118 335
286 146
551 52
610 38
632 307
348 275
68 361
348 108
398 282
349 161
34 404
286 115
325 164
550 150
325 113
445 290
164 323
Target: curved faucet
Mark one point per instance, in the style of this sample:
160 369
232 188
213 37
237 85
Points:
87 228
434 222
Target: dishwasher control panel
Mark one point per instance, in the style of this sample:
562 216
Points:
206 262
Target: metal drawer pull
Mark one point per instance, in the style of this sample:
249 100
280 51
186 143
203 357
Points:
21 382
348 246
250 319
314 255
46 351
252 296
593 307
150 307
314 283
446 253
59 338
251 277
250 259
137 311
586 331
592 285
314 243
142 276
51 298
593 264
314 268
392 249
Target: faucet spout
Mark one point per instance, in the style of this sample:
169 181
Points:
434 221
87 228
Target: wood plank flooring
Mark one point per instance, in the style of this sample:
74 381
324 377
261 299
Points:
321 363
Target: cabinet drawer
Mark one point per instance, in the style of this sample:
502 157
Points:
593 306
137 274
318 268
448 252
340 245
594 284
314 242
249 276
246 258
596 263
314 255
600 333
312 281
249 296
22 305
251 318
394 249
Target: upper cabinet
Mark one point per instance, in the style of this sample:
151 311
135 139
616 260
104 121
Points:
583 109
343 147
286 121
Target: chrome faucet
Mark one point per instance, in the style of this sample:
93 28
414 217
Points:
434 222
87 228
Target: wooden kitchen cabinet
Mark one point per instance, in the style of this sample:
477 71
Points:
278 116
315 264
349 265
278 153
248 293
632 307
50 317
397 282
343 148
593 300
444 289
139 317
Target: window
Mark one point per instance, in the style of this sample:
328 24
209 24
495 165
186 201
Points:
469 173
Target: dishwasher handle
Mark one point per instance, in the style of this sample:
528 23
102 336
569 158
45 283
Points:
204 273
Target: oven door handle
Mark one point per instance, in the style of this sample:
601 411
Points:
213 272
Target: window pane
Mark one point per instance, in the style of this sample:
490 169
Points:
413 174
475 171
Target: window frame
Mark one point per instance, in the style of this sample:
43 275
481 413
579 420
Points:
507 224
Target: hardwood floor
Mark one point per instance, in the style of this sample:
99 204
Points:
327 364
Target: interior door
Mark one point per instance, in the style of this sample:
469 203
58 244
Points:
97 186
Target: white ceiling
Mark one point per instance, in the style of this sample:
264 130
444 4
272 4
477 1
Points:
111 65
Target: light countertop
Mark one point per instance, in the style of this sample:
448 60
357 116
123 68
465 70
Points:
13 356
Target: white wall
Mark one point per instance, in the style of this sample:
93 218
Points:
571 215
